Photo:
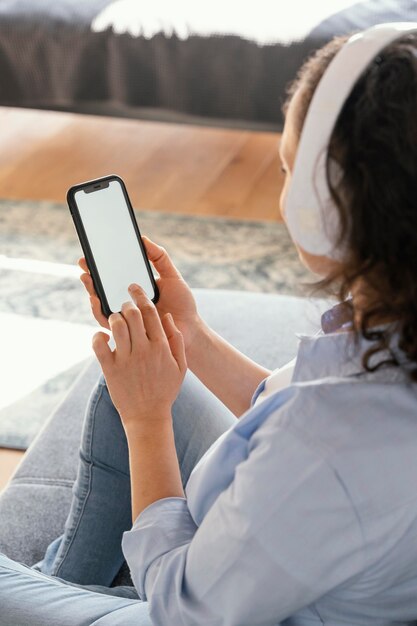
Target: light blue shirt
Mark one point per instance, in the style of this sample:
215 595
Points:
303 513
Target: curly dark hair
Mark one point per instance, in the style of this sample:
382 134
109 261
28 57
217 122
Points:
375 143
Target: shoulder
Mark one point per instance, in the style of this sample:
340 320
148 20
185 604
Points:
366 432
349 407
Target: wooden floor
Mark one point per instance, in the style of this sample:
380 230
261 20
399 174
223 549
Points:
9 459
167 167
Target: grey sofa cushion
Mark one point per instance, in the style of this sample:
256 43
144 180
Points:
263 326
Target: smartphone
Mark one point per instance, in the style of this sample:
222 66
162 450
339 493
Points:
111 241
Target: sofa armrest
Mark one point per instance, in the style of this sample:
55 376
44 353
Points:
34 506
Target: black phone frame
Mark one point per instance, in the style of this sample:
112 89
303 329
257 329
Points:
96 184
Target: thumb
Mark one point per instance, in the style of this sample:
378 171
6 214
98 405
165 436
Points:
160 259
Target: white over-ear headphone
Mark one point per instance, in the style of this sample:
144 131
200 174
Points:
310 213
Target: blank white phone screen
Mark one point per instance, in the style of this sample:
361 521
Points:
113 242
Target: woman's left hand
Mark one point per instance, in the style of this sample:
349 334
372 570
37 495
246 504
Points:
145 371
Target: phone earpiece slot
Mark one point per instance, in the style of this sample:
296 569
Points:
94 187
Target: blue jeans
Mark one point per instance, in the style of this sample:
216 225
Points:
72 585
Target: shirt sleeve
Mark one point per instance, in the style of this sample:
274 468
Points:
279 537
259 389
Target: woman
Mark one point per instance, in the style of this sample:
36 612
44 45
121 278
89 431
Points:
304 511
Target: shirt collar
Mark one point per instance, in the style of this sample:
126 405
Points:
336 354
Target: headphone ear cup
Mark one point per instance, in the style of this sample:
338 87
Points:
312 220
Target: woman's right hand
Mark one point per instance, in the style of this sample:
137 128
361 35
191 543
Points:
175 296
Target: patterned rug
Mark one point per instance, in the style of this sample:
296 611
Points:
46 319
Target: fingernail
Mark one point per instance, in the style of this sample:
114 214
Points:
133 287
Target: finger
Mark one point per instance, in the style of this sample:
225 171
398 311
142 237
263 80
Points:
134 321
151 320
160 259
102 350
87 281
83 264
119 328
176 341
98 313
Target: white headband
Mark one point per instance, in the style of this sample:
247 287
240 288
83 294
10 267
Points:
310 213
